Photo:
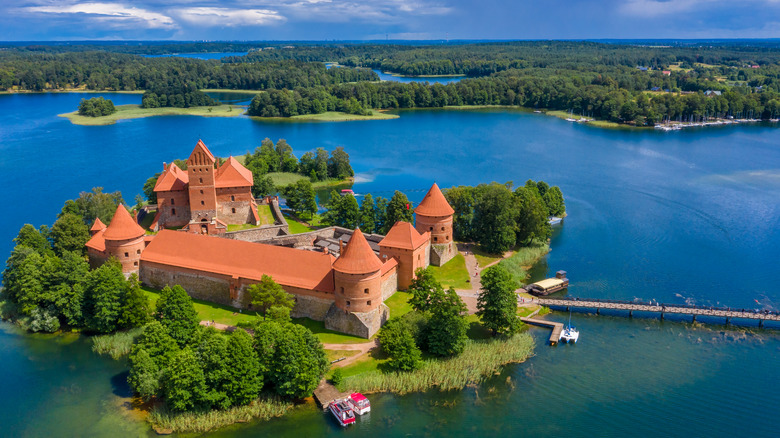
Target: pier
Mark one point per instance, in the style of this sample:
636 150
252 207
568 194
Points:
693 311
556 327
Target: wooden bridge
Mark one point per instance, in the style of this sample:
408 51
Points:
679 309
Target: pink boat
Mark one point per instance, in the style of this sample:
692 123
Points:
343 412
359 403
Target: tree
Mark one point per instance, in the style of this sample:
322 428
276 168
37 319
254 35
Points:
342 210
553 200
211 352
398 209
367 214
531 217
144 376
69 233
96 107
157 343
321 164
398 342
263 186
148 188
497 302
268 293
135 307
184 383
494 218
94 204
447 326
338 164
425 289
36 239
104 292
176 312
301 197
243 382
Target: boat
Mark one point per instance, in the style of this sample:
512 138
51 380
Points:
550 285
359 403
554 220
347 192
343 413
569 333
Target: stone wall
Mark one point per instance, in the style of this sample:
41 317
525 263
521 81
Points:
259 234
441 254
234 205
209 287
389 283
364 325
174 208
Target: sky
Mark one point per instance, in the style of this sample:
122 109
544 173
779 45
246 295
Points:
44 20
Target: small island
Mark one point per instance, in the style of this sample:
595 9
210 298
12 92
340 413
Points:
137 111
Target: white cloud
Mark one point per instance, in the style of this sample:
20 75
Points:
229 17
117 15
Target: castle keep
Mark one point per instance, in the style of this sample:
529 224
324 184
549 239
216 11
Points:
338 276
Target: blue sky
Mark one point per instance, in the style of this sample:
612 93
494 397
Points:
376 19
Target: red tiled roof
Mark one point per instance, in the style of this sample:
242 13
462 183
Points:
403 235
358 257
173 178
122 226
98 225
289 267
97 242
232 174
389 264
201 147
434 204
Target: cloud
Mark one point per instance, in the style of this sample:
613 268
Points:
204 16
116 15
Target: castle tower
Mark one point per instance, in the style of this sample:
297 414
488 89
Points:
410 248
124 239
97 227
202 191
434 215
357 276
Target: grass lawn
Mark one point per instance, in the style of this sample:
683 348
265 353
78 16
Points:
484 258
283 179
399 304
208 311
135 112
453 273
338 354
266 217
296 227
148 219
370 362
328 336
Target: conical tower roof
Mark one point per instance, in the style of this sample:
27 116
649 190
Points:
434 204
122 226
357 257
98 225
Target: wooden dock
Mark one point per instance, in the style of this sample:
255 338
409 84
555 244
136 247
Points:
680 309
556 327
326 393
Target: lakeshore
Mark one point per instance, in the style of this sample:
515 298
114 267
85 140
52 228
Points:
124 112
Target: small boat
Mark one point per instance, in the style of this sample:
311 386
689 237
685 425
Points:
359 403
343 413
569 333
554 220
347 192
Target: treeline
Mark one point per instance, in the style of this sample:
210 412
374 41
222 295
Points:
179 96
48 283
499 218
191 368
96 107
371 216
122 72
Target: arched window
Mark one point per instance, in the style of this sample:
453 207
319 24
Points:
173 211
201 180
435 239
173 201
233 198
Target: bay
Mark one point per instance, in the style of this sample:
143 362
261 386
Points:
687 216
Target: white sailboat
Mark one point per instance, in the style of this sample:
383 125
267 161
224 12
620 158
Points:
569 333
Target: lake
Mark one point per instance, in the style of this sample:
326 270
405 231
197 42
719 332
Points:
687 216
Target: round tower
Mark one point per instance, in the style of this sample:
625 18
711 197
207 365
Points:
124 240
434 215
357 276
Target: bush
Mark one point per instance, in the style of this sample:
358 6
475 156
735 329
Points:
43 320
96 107
337 377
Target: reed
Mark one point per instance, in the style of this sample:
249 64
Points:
116 345
480 360
263 408
522 259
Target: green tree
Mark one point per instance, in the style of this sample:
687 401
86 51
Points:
211 352
243 382
263 186
338 164
69 233
494 218
36 239
268 293
321 164
367 214
531 217
176 312
144 377
553 200
148 188
447 326
157 343
184 384
399 343
398 209
135 306
425 289
104 292
94 204
497 302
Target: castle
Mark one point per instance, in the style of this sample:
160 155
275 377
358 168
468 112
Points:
338 276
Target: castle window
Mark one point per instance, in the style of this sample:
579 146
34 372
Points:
201 192
232 198
135 263
442 228
138 251
342 291
173 211
430 229
446 238
368 302
233 209
201 180
127 254
348 303
365 291
202 202
435 239
173 201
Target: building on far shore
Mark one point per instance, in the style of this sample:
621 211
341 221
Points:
338 276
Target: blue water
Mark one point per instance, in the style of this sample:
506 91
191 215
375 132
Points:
406 79
690 216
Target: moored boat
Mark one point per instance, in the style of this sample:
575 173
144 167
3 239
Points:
359 403
550 285
569 333
343 412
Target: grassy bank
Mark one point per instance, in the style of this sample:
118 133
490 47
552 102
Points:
117 344
263 408
453 273
522 260
135 112
480 359
333 116
591 122
282 179
266 218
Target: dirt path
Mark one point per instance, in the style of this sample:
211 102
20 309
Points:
363 349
